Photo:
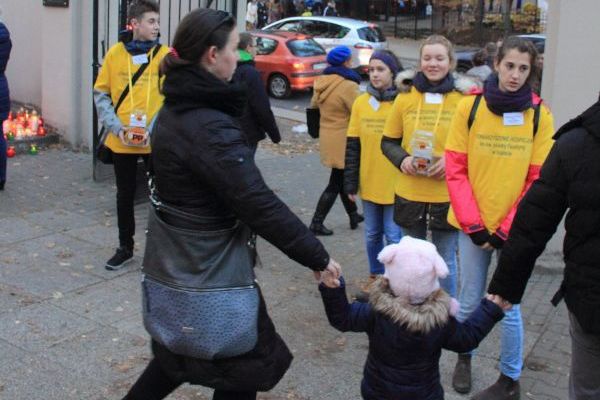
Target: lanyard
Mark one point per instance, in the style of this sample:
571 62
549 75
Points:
439 115
131 84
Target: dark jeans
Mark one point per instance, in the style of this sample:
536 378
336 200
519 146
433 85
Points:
154 384
126 173
2 150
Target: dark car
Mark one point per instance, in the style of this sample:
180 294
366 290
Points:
464 57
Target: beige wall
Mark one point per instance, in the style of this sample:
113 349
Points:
572 60
23 19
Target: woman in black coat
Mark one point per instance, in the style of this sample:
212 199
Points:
5 47
203 166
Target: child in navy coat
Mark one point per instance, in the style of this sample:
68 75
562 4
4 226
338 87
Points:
409 320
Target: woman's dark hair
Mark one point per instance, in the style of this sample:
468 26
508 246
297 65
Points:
196 33
522 46
480 57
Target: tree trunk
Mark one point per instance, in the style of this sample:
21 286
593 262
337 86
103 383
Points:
506 9
479 14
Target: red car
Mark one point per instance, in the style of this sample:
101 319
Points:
288 61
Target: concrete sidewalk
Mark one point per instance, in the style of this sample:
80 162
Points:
69 329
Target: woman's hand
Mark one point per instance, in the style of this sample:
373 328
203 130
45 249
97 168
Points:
499 301
121 135
407 166
330 276
438 170
352 197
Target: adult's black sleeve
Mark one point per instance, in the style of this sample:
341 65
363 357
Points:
260 106
220 156
536 220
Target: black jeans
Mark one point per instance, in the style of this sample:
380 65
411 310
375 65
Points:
154 384
125 173
327 199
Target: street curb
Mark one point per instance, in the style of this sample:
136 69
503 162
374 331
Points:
289 114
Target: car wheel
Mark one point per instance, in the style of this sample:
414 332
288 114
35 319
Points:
279 86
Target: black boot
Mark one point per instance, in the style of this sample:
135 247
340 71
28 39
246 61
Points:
461 379
323 206
352 211
504 389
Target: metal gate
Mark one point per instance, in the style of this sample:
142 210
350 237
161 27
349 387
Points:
110 17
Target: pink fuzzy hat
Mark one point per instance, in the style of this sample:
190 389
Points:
412 268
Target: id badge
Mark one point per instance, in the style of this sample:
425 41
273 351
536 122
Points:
513 119
140 59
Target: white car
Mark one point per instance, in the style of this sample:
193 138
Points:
362 37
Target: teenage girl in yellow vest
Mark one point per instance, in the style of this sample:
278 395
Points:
414 137
367 170
496 146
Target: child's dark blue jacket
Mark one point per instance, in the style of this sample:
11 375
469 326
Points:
402 363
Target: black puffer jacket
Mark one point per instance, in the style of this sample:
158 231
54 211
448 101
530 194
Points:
202 165
569 179
5 47
257 117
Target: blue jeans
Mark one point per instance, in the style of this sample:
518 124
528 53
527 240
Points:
446 243
474 264
379 224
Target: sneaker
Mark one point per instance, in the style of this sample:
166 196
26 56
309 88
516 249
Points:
2 185
118 261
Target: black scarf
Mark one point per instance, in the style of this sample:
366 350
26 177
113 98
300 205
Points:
191 86
388 94
136 47
344 72
423 85
500 102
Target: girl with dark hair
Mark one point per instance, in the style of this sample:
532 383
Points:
203 166
496 146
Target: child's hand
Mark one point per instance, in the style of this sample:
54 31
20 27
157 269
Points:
499 301
330 279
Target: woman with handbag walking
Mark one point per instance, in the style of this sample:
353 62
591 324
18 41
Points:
334 93
208 194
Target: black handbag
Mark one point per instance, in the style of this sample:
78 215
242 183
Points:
103 153
200 298
313 121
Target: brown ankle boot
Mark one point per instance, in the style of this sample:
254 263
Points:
363 295
504 389
461 379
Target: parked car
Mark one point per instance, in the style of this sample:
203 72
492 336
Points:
362 37
464 57
288 61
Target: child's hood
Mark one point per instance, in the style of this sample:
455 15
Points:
416 318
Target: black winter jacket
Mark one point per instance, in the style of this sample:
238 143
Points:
257 117
569 180
202 165
5 48
403 364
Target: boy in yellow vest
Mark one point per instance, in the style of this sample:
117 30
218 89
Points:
130 124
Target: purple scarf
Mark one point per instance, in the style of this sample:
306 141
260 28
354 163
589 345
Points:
423 85
500 102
